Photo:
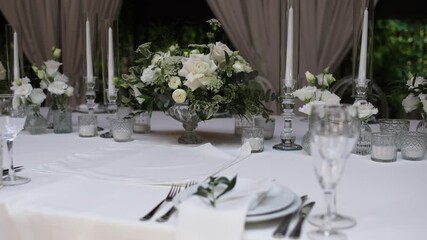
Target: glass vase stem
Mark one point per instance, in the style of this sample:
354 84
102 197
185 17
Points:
287 136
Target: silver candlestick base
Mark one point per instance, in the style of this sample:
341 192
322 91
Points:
287 136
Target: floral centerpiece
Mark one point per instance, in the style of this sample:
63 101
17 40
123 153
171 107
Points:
56 84
24 93
416 87
316 92
201 79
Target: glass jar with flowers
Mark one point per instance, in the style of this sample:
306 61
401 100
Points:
194 83
416 87
365 110
316 92
35 122
56 84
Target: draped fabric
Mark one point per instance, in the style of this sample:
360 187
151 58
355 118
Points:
48 23
253 26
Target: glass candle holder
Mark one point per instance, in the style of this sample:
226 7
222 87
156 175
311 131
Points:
241 122
88 126
413 145
122 129
394 126
383 147
142 122
268 126
255 137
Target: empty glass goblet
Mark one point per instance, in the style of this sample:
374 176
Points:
12 120
334 134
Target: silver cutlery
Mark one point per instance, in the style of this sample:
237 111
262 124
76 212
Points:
171 211
172 192
17 169
282 228
296 232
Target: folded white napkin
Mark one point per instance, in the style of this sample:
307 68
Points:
198 220
146 163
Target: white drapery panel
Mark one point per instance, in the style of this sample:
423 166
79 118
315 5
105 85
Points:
253 26
47 23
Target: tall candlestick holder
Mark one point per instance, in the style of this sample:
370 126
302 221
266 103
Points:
288 72
112 110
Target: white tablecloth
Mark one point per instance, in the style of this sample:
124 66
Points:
386 199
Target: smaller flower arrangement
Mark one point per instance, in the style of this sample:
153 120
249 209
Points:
416 86
24 93
54 81
210 78
317 91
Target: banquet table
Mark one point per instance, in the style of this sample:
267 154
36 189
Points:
387 199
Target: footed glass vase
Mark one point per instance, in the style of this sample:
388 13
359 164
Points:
422 124
189 119
35 123
363 145
62 121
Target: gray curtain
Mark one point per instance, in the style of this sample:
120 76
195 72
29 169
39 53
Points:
47 23
253 26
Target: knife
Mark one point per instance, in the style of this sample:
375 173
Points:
281 230
296 232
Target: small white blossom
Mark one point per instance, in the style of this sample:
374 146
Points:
69 91
410 103
329 98
174 82
305 94
57 87
37 96
311 79
52 67
365 109
418 80
56 52
179 95
218 52
149 74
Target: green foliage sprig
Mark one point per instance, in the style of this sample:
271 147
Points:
213 184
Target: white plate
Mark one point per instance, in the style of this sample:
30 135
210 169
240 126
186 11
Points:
279 201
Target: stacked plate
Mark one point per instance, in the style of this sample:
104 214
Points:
278 201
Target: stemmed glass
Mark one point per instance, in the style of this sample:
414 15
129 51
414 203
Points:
12 120
335 130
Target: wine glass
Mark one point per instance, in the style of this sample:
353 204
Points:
12 120
335 130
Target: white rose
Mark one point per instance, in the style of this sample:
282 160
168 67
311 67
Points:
195 69
23 90
57 87
218 52
43 85
37 96
158 56
52 67
307 107
410 103
149 74
174 82
330 98
69 91
424 102
311 79
365 109
179 95
305 94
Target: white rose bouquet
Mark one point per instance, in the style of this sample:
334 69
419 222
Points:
55 82
208 77
317 91
417 94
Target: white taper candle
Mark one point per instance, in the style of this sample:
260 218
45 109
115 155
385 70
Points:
89 67
15 56
111 87
289 49
363 50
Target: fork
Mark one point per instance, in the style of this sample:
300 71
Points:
172 192
169 213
